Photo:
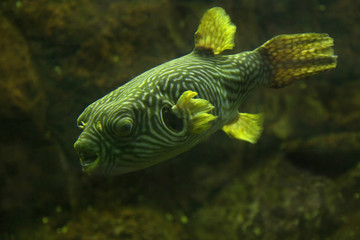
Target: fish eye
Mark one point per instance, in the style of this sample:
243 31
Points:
123 127
170 120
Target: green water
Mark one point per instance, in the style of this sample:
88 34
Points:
300 181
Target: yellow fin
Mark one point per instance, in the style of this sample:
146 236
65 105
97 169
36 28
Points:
195 111
216 31
247 127
296 56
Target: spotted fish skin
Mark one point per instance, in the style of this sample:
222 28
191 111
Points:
142 122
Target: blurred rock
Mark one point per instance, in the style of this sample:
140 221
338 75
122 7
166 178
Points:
135 223
348 186
96 44
276 201
328 154
21 92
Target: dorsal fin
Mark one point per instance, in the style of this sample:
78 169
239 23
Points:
216 32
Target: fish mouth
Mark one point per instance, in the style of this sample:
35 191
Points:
89 162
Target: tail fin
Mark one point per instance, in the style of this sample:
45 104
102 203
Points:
296 56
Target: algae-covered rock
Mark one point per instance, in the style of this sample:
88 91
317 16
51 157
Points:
330 154
20 89
96 44
135 223
318 125
348 186
276 201
350 230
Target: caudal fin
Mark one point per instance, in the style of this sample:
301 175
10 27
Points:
296 56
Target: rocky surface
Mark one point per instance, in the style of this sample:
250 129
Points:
278 200
117 222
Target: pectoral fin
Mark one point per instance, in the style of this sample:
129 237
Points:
195 111
247 127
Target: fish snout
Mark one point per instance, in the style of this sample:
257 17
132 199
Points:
88 153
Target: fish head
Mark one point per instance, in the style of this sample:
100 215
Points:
129 135
105 132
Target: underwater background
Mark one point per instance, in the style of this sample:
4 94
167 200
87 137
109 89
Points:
300 181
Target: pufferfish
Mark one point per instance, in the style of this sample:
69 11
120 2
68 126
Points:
172 107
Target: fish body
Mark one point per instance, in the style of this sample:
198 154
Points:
172 107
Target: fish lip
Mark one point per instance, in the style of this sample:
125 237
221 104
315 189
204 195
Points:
89 162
